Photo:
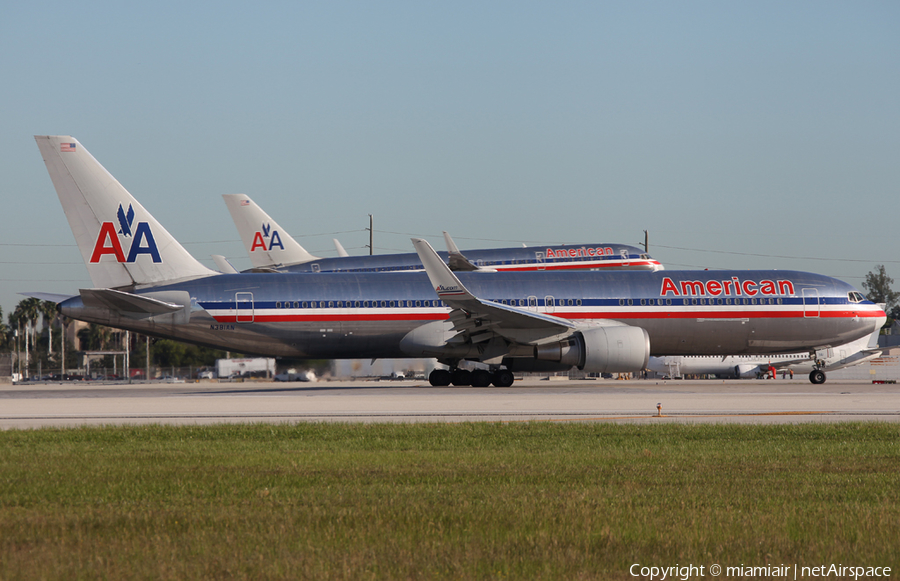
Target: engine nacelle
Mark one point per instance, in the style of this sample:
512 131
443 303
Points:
746 370
612 349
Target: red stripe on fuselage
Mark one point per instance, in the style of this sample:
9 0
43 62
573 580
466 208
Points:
325 317
575 266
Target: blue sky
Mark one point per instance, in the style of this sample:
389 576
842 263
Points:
741 135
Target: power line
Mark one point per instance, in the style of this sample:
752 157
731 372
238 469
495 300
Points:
779 256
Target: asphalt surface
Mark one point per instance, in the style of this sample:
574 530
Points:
714 401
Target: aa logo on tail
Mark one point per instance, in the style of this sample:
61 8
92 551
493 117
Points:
259 241
108 240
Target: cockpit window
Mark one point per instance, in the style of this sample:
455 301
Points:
856 297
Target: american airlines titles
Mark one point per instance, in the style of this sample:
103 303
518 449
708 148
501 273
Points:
576 252
732 287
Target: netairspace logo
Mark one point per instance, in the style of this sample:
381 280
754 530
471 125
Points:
685 572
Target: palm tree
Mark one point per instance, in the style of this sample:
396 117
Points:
48 316
27 311
4 331
95 337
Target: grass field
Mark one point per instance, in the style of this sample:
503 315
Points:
456 501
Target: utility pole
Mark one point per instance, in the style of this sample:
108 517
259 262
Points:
127 356
62 342
27 362
646 242
371 234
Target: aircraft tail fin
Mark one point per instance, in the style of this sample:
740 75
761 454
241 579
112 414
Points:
340 248
120 242
268 245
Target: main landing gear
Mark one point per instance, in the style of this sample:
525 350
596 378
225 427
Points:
477 378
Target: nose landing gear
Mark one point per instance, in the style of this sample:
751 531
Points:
817 376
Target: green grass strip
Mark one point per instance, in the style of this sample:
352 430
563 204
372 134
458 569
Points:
443 501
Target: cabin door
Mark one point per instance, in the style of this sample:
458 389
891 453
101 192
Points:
810 302
243 303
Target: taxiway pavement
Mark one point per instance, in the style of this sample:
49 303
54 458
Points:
635 401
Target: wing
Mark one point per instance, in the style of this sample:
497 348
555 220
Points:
488 331
477 319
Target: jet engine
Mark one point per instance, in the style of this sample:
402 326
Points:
608 349
746 370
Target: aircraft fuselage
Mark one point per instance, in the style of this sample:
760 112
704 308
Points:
333 315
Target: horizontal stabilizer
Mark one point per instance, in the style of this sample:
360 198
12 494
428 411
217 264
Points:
51 297
131 304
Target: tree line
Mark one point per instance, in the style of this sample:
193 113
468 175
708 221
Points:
36 330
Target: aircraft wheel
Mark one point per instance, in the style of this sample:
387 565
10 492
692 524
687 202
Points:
481 378
439 378
503 378
461 377
817 376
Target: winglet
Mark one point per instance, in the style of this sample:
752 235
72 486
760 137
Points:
447 286
223 265
120 242
452 248
456 259
267 243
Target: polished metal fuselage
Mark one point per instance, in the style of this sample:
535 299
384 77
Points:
362 315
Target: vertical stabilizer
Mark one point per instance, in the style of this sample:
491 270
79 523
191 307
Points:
120 242
268 245
340 248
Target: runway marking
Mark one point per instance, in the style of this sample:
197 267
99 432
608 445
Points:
530 416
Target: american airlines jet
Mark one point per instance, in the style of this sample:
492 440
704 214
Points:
749 366
272 249
145 281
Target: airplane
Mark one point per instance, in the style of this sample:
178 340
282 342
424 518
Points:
749 366
599 322
272 249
